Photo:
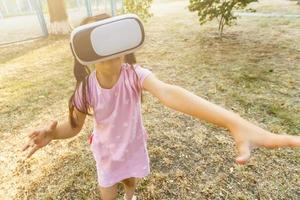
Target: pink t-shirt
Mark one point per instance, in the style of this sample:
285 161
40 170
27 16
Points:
119 143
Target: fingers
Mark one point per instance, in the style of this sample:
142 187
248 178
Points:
32 151
293 141
282 141
30 142
244 152
26 146
32 134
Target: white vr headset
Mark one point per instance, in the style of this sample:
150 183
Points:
108 38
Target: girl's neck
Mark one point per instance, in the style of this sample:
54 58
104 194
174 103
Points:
108 72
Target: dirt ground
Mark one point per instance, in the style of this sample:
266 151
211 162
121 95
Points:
254 71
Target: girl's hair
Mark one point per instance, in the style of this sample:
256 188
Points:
82 72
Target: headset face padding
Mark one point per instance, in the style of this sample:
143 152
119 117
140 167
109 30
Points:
107 39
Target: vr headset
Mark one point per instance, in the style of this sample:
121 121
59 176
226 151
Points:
107 39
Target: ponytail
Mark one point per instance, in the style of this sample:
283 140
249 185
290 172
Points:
131 60
81 73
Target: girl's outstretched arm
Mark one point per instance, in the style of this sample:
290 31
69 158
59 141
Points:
246 135
42 137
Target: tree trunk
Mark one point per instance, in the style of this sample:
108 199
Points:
221 26
59 24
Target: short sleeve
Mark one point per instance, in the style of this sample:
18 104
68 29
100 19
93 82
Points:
142 73
78 100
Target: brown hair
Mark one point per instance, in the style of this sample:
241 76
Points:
82 72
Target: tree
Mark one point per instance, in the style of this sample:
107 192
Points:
218 9
141 8
59 23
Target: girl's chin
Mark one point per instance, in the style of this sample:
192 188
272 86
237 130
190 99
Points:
110 61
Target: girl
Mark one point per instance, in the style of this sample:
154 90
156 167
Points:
119 140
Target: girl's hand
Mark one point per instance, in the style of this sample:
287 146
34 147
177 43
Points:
39 139
248 136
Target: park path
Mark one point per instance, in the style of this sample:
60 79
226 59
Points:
20 28
255 14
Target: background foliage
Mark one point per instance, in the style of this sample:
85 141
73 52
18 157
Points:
141 8
218 9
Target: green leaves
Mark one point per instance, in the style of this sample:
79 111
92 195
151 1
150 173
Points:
139 7
218 9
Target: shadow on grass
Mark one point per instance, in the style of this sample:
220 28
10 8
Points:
10 52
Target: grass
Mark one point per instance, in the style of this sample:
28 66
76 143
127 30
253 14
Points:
254 71
277 6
